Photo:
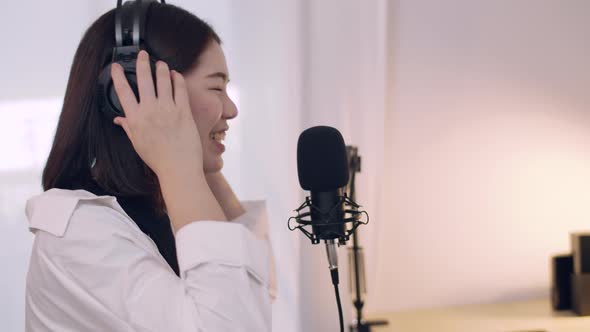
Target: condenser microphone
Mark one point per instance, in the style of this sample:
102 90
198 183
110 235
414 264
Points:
322 166
323 170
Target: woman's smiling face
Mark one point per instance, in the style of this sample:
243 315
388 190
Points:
210 105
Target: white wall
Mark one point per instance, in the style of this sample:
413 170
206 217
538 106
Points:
40 44
36 57
488 134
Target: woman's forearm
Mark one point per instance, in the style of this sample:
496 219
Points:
230 204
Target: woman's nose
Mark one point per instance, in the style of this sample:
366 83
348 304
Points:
230 110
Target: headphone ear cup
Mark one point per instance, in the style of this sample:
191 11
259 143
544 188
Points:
108 102
104 85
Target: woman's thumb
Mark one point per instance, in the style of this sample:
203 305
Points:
122 122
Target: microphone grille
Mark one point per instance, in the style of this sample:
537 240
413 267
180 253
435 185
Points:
322 163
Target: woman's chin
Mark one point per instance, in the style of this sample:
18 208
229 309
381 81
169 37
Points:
213 165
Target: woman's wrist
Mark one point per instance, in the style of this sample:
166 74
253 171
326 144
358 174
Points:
187 168
229 202
188 198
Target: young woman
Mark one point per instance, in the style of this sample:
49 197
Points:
137 229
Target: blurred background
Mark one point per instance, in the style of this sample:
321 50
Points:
471 118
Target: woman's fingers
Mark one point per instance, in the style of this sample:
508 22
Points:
180 93
124 93
163 82
145 83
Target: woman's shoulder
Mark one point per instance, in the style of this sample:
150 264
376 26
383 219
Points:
63 213
70 223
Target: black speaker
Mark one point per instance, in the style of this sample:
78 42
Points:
562 268
581 294
581 252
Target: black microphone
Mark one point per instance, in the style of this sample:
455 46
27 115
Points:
323 170
322 166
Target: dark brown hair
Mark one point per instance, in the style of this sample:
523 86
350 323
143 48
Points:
84 135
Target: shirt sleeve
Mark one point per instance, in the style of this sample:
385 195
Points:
256 220
224 273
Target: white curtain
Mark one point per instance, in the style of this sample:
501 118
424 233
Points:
344 87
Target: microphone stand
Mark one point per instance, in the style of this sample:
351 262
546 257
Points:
356 255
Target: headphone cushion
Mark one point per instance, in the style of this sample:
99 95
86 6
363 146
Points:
108 102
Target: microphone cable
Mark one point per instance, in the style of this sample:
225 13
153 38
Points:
334 273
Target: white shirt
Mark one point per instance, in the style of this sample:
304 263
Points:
93 269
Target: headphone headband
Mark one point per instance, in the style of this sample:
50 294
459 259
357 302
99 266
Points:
130 19
131 33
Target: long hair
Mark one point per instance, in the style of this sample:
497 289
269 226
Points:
84 135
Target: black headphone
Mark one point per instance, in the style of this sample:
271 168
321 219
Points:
129 36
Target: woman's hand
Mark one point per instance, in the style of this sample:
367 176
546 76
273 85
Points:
165 136
161 129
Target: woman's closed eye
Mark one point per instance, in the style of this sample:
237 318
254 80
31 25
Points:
217 89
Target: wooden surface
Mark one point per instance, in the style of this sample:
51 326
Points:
531 316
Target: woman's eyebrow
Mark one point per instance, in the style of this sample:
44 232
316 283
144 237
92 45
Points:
219 74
